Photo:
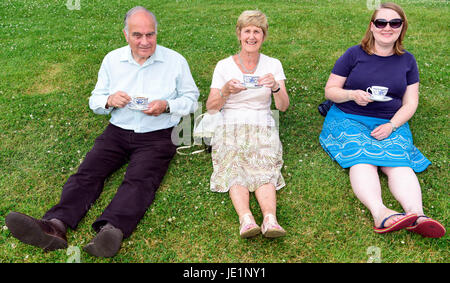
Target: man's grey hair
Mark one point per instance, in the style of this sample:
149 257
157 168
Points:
133 11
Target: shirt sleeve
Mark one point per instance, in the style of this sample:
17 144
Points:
412 75
345 63
218 79
187 92
100 94
278 71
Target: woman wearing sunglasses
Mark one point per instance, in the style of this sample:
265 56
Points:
364 132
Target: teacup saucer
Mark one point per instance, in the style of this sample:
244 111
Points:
137 107
380 98
252 86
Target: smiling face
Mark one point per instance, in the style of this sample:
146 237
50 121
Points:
141 36
251 38
386 36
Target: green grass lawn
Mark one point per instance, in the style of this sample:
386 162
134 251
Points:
50 56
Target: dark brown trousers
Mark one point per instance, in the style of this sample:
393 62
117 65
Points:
148 156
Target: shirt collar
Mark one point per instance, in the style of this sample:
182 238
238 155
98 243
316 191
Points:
158 56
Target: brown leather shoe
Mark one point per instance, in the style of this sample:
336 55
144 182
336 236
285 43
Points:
35 232
106 243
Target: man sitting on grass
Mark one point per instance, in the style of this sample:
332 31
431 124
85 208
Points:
140 137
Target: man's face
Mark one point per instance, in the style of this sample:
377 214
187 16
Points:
141 36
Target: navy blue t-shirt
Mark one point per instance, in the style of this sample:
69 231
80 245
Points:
363 70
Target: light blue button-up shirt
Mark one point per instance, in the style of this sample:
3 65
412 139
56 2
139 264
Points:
165 75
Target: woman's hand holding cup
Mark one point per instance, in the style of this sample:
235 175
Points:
268 80
360 97
233 86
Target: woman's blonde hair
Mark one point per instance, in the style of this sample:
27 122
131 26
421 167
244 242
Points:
252 18
368 41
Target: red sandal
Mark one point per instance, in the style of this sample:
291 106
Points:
402 223
429 228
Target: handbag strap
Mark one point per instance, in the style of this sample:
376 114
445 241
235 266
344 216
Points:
188 146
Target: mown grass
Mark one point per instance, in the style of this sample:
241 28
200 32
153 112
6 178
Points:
50 56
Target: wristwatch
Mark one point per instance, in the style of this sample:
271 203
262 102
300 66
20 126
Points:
277 90
394 128
167 107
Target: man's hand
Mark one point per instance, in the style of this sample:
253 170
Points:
119 99
156 107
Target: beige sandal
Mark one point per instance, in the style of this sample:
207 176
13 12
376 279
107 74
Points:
271 228
248 227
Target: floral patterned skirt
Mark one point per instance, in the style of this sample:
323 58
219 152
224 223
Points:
246 155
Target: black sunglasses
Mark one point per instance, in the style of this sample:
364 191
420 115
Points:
382 23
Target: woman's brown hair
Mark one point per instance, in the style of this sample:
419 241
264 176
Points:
368 41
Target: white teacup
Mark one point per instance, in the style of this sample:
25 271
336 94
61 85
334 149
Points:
251 81
379 91
139 102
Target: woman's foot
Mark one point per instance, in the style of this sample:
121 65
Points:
270 227
391 221
427 227
248 227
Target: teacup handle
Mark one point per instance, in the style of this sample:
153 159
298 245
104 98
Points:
367 90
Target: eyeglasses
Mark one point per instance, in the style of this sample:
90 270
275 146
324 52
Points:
382 23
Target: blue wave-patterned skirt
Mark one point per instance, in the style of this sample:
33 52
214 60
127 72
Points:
346 138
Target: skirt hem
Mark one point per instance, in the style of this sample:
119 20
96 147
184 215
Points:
280 186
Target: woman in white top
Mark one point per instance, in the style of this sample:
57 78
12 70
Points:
246 149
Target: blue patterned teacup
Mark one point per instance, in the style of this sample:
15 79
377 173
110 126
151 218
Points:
251 81
139 102
377 91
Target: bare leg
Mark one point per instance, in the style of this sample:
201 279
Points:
267 199
405 188
240 197
366 186
266 196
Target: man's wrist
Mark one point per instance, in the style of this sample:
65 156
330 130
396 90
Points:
167 110
107 103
